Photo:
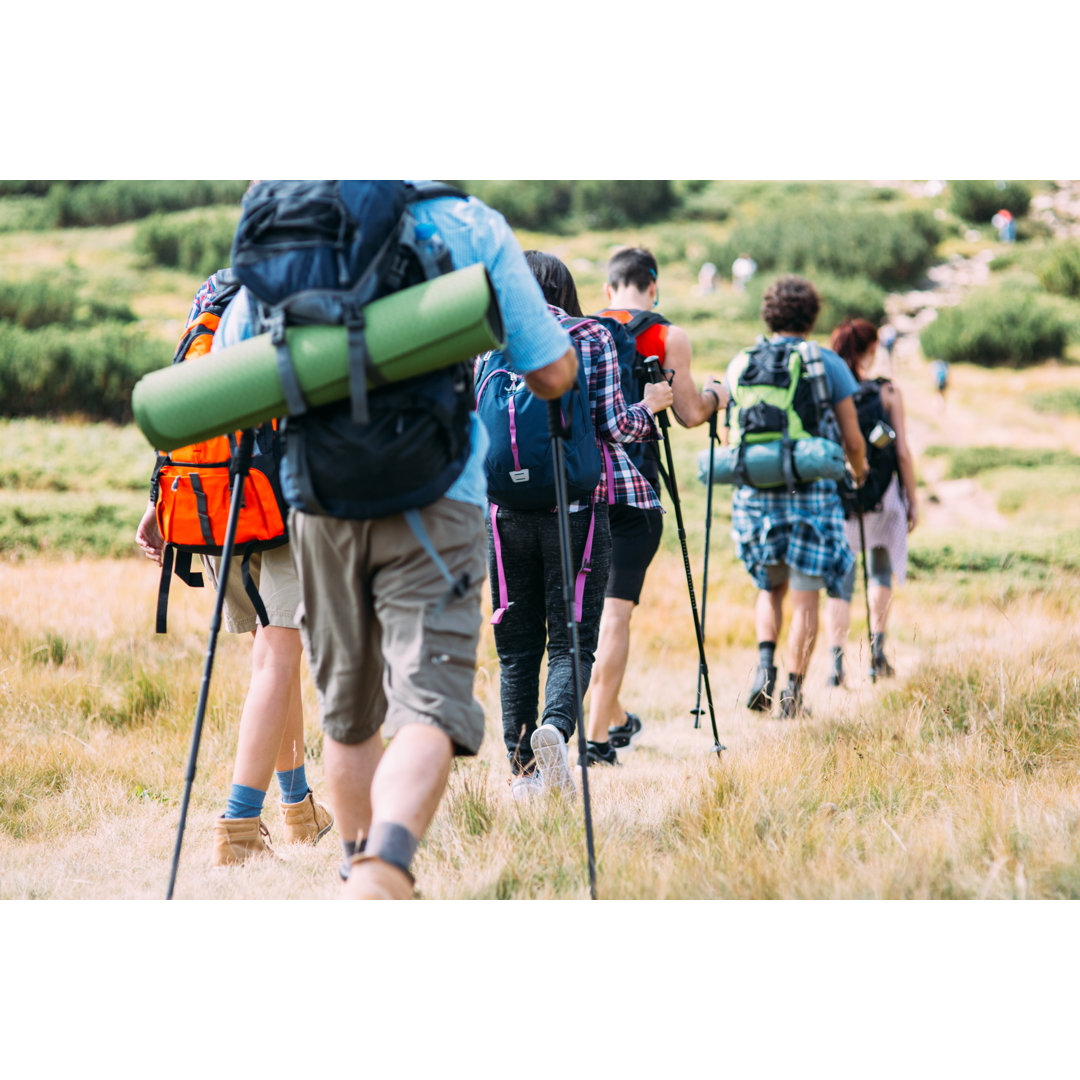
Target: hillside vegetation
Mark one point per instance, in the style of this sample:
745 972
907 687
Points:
954 780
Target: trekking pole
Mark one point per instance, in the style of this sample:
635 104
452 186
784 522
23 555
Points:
705 569
558 428
652 369
866 588
243 462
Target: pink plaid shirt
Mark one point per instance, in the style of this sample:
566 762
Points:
616 422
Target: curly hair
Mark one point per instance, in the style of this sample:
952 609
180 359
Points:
790 303
851 340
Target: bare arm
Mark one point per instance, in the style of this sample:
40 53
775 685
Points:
691 406
893 404
148 535
556 378
854 446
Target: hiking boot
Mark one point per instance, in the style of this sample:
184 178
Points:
836 676
791 703
625 735
525 787
595 756
238 839
552 760
881 667
761 693
306 822
372 879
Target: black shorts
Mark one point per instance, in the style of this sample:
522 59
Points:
635 537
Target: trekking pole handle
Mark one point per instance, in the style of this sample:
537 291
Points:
654 374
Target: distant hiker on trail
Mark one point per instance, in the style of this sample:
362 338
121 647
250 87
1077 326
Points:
523 544
706 278
742 270
1005 224
271 732
391 600
632 292
791 537
886 527
940 371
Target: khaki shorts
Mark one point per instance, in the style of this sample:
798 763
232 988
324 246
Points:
275 578
381 646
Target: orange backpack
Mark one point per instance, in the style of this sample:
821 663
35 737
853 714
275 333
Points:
192 486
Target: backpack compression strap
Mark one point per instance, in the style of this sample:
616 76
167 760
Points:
178 562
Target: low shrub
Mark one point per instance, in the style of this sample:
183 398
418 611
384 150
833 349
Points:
843 298
979 200
199 244
612 204
891 249
38 301
1064 401
1058 269
539 205
997 327
57 371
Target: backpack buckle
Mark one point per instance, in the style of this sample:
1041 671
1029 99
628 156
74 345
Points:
277 328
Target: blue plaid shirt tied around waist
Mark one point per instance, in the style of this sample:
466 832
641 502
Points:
804 530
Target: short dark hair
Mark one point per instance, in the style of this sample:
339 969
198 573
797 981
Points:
790 303
632 266
555 280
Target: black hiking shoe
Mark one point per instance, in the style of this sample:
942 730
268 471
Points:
761 693
836 676
881 667
595 756
791 703
625 735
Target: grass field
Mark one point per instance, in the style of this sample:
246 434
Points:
955 780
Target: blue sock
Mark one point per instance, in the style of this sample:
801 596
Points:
244 802
293 785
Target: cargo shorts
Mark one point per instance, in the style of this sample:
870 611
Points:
384 645
275 578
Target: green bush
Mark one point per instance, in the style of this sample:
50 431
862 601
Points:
56 371
979 200
612 204
54 300
110 202
1059 269
997 327
539 205
38 301
844 298
199 244
891 249
1064 401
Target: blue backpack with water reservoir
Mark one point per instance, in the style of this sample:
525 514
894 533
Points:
316 252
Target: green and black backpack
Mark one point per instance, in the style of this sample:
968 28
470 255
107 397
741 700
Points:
779 394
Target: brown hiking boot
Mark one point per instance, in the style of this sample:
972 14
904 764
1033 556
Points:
373 879
238 839
306 822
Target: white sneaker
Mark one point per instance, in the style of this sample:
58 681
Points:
523 788
552 760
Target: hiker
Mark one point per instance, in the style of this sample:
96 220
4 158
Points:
885 528
523 553
632 288
742 270
270 739
791 539
389 644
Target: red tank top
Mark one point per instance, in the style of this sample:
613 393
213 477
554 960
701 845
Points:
651 341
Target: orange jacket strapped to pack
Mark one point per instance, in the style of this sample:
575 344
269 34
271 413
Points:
192 486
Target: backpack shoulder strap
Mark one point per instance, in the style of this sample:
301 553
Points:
432 189
642 320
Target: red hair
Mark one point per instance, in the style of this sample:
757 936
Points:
852 338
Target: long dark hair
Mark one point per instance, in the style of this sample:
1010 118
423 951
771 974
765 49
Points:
556 281
851 340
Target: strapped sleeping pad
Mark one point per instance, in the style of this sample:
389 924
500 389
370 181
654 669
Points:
882 463
779 394
315 253
627 328
191 486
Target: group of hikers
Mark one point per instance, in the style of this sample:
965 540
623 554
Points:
384 595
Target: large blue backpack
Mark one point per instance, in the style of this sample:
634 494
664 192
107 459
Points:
317 252
519 466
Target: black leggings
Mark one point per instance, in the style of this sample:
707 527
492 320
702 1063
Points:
535 614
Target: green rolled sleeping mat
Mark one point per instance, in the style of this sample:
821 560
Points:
416 330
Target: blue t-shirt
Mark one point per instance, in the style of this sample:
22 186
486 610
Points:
474 233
